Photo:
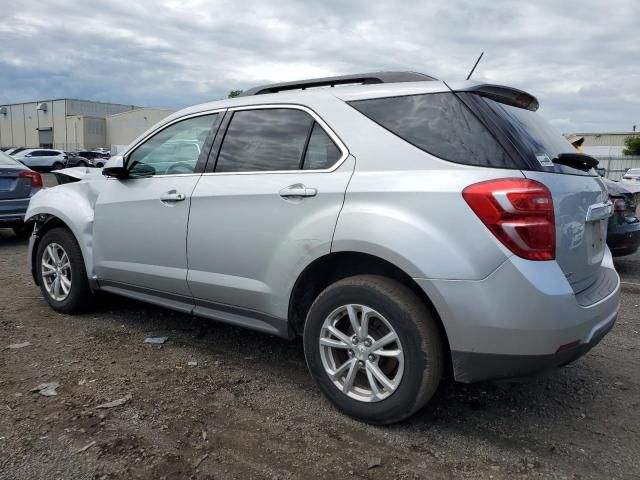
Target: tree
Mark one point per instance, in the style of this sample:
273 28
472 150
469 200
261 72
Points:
633 145
234 93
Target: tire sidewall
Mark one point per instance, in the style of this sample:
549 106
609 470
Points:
402 402
78 275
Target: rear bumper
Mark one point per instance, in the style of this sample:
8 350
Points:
522 319
12 211
623 239
474 367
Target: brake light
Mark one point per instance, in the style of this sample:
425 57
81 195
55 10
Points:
619 205
627 177
519 212
36 178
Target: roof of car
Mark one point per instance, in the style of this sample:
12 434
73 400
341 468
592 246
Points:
346 92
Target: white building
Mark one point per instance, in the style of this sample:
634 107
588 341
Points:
67 124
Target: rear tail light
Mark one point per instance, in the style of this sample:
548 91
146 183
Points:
519 212
627 177
36 178
619 204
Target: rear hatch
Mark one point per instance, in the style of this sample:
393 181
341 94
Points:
580 198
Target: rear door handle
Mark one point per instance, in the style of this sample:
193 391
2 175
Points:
298 190
172 196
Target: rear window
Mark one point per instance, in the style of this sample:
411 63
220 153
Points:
534 137
439 124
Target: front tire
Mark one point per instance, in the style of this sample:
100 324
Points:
61 272
57 166
374 348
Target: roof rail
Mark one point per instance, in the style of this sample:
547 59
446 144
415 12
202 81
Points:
358 78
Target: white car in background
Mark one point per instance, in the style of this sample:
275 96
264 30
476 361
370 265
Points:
631 180
42 158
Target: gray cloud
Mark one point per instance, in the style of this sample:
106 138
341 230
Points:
580 58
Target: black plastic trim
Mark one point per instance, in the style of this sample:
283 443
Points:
470 367
238 316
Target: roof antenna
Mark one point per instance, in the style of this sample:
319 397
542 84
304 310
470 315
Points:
474 66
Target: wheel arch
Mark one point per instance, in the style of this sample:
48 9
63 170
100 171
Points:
335 266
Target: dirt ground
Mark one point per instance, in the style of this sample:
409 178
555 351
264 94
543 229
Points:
248 408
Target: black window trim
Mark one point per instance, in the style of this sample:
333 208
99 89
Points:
215 152
204 151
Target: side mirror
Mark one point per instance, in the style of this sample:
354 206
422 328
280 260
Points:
115 168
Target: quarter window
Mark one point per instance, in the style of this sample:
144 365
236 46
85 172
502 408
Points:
173 150
321 151
439 124
264 140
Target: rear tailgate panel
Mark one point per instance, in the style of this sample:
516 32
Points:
580 244
12 186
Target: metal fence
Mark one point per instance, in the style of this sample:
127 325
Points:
615 166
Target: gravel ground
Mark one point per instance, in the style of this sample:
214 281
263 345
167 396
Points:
247 408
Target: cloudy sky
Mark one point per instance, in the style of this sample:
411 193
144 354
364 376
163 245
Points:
580 58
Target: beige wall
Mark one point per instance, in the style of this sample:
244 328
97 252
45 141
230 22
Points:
31 124
94 134
58 114
75 132
85 133
605 139
17 125
123 128
6 132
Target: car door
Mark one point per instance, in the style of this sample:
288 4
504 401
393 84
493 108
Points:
269 207
140 223
32 159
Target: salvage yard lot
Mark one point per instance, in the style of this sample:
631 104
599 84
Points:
247 408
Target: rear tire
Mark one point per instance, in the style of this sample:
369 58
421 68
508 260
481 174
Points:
72 293
389 307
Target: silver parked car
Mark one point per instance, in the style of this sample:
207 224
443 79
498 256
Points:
404 226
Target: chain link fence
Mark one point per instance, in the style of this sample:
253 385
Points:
615 166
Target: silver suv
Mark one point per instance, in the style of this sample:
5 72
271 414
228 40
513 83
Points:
405 227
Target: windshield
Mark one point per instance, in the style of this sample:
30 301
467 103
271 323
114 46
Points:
535 138
7 160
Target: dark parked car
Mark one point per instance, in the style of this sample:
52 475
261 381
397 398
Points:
98 159
18 183
623 231
75 159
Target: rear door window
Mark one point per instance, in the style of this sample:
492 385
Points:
439 124
264 140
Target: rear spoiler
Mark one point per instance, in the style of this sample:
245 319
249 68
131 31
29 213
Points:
506 95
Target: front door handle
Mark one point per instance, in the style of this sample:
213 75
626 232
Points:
298 190
172 196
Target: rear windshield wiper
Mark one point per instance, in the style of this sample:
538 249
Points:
576 160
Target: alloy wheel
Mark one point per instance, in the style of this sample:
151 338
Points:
361 353
56 272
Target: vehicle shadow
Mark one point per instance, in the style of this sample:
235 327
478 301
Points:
8 238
